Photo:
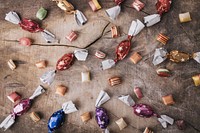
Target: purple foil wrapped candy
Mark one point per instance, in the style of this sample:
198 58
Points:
19 109
143 110
102 117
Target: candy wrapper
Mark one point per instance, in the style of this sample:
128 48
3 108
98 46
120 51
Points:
58 118
114 11
48 77
127 99
161 55
106 64
164 119
81 54
101 114
163 6
30 26
151 19
69 9
19 109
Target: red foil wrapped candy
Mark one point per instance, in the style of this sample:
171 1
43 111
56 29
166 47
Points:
65 62
163 6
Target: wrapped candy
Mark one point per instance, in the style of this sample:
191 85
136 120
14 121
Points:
161 55
127 99
30 26
101 114
151 19
25 41
138 5
81 54
65 62
48 77
19 109
164 119
163 6
58 118
69 9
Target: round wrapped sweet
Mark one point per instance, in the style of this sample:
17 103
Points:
143 110
56 120
163 6
123 49
25 41
30 25
102 117
22 107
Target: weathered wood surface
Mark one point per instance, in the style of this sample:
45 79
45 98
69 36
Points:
25 78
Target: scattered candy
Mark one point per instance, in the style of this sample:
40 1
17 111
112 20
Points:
163 72
138 92
138 5
162 38
14 96
102 98
35 117
143 110
147 130
162 122
168 99
41 64
61 90
85 76
164 119
127 99
185 17
114 31
135 58
58 118
85 116
100 54
151 19
11 64
106 64
19 109
41 13
115 81
65 62
94 4
181 124
25 41
72 36
48 77
163 6
196 79
121 123
81 54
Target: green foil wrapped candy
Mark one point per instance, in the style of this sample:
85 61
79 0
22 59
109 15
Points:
41 13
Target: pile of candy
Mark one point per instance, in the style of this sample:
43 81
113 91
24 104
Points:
66 61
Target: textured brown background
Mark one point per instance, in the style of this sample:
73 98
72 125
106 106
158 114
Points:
96 35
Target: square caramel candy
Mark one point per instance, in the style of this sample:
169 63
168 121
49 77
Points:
114 81
61 90
121 123
94 4
135 58
185 17
85 76
114 31
71 36
162 38
13 97
85 116
196 80
11 64
41 64
35 117
168 100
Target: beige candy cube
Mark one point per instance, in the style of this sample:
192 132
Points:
185 17
121 123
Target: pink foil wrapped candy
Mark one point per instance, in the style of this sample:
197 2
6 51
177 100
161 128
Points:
19 109
163 6
143 110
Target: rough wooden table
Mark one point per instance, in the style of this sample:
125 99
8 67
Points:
96 35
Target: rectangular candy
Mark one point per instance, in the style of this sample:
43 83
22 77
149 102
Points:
138 5
135 58
114 31
185 17
85 116
162 38
13 97
72 36
121 123
94 4
85 76
35 117
168 100
11 64
114 81
196 79
138 92
41 64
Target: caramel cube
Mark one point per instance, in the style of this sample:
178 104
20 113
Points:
121 123
168 100
196 80
135 58
61 90
85 116
35 117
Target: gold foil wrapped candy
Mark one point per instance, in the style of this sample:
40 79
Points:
196 79
177 56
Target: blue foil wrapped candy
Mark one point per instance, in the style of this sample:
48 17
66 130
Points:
58 118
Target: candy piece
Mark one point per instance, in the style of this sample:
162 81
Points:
41 64
94 4
114 31
106 131
127 99
122 50
196 56
147 130
106 64
80 18
185 17
69 107
61 90
85 116
81 54
49 37
138 92
196 79
35 117
135 58
100 54
72 36
159 56
115 81
85 76
181 124
113 12
14 96
138 5
102 117
162 122
65 62
25 41
162 38
151 19
102 98
163 72
121 123
135 28
168 100
13 17
118 2
65 5
48 77
177 56
11 64
41 13
143 110
167 119
163 6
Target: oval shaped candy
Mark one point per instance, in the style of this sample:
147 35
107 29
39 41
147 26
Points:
56 120
65 62
30 25
123 49
163 72
102 117
177 56
22 107
25 41
143 110
41 13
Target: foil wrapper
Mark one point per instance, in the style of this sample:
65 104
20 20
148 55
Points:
102 98
49 37
122 50
135 28
143 110
113 12
151 19
102 117
81 54
159 56
163 6
107 64
20 108
127 99
164 119
65 62
48 77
